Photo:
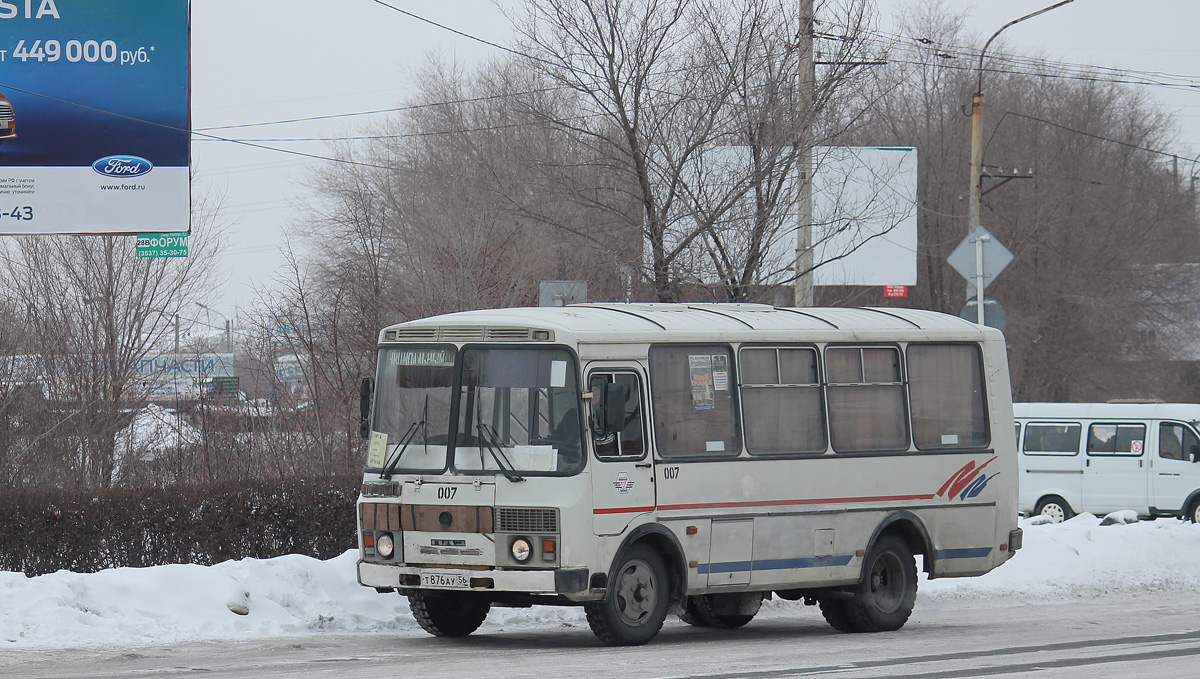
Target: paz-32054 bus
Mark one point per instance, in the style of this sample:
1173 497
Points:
638 459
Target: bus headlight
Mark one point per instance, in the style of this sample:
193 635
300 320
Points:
522 549
385 545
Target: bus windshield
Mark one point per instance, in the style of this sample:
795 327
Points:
517 411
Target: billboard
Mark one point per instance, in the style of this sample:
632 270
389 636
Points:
94 116
864 216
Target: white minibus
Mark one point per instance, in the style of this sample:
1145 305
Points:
635 459
1105 457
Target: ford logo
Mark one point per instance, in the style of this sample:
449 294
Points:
122 166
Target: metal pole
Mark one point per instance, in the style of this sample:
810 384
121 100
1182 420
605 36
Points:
979 276
977 131
976 161
806 78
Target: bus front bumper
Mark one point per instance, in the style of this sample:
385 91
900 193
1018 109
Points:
389 576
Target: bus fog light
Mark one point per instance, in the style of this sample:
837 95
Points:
385 545
522 550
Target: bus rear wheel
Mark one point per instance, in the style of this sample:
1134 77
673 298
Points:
636 605
723 611
837 613
1054 507
448 614
884 599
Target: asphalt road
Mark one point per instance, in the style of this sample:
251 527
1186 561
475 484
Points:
1146 637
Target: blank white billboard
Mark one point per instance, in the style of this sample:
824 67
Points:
864 216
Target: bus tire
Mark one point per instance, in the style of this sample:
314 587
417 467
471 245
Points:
448 614
884 599
723 611
691 613
1054 507
638 597
837 614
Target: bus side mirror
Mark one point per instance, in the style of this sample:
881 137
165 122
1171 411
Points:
1194 453
364 406
612 407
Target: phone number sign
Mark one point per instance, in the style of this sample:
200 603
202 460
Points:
94 116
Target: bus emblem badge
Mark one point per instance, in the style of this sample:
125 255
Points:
623 484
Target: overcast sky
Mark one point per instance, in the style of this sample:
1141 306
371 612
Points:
258 61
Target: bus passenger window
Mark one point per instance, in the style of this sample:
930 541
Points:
628 443
694 410
866 399
945 385
781 401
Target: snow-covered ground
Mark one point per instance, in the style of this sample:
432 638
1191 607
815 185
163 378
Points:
297 596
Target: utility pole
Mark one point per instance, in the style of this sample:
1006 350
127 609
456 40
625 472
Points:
805 82
977 124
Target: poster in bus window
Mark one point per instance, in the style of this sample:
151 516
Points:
701 368
720 364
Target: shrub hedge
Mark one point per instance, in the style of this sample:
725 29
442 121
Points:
46 530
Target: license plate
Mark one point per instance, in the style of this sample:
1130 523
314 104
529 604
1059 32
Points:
445 580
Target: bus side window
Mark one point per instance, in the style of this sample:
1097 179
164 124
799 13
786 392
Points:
629 442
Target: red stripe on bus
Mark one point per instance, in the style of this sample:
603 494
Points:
820 501
621 510
764 503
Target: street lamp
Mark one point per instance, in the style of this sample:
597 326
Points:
977 122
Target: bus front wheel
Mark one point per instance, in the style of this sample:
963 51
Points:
638 598
448 614
884 599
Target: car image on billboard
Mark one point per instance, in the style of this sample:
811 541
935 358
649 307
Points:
8 120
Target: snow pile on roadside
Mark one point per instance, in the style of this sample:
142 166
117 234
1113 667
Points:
296 595
1081 558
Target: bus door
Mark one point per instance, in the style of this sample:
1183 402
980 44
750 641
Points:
1115 474
1176 467
622 464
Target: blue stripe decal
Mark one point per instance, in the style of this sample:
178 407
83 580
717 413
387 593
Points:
969 553
773 564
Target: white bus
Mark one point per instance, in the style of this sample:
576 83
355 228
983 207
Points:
637 459
1105 457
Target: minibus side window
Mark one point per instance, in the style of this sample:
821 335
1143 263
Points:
1116 439
1051 438
1178 442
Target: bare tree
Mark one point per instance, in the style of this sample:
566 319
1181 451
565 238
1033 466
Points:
1103 232
664 89
96 310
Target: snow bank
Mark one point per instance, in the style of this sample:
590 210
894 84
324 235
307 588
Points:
296 595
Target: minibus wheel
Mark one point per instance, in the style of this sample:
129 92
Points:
638 597
448 614
884 599
1054 507
1193 512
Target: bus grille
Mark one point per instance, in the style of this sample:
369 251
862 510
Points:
526 520
6 112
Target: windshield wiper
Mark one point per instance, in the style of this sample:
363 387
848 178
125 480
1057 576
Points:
389 465
488 437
